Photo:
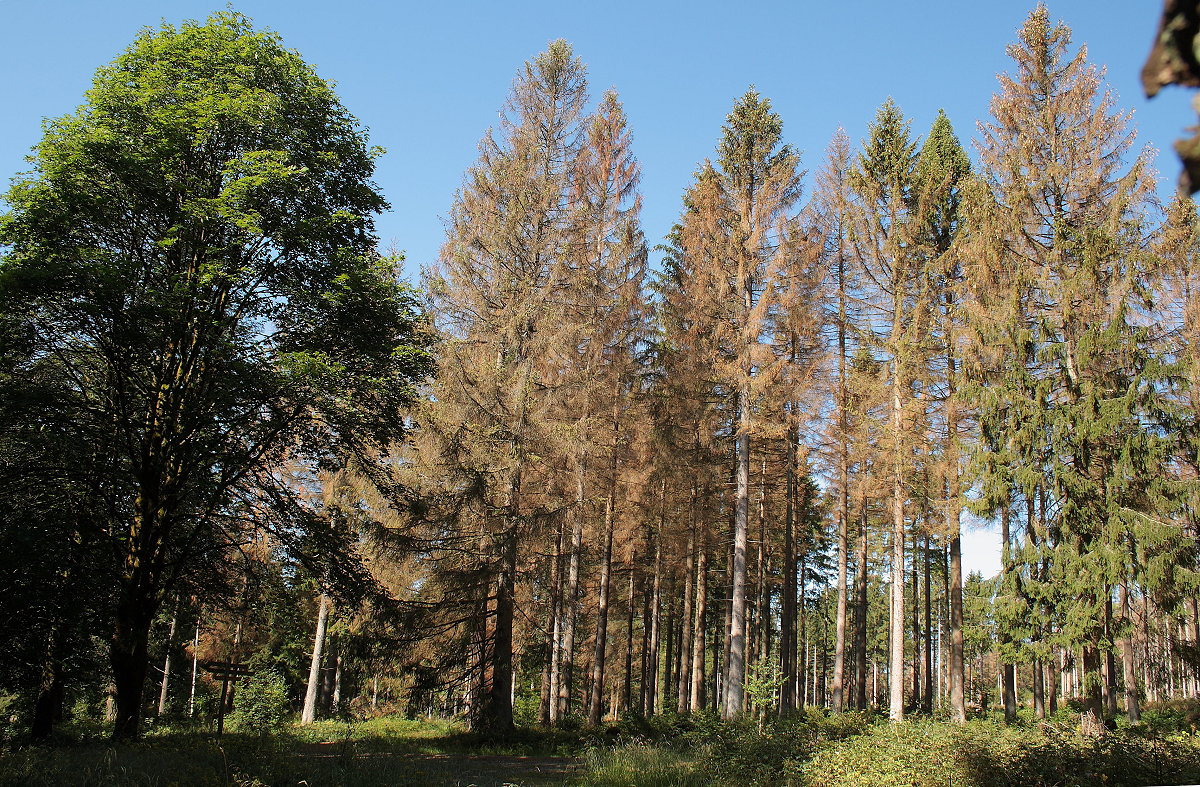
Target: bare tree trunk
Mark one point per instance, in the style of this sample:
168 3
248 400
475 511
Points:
843 505
686 645
787 616
735 667
627 686
335 702
309 714
930 627
958 694
556 588
596 699
917 700
1132 708
1051 667
701 628
1039 689
166 679
860 615
570 602
803 628
1009 680
1093 714
651 675
1110 663
663 691
496 714
896 643
195 670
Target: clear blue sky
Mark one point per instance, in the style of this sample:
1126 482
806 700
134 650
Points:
428 78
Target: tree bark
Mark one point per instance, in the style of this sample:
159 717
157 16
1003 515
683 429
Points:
570 602
686 644
697 699
166 678
860 614
787 616
496 713
735 666
896 643
917 698
556 617
309 714
596 698
1132 708
627 686
930 682
130 659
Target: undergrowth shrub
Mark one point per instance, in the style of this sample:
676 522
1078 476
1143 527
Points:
262 705
987 754
1171 716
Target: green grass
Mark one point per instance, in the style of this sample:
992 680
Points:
384 751
642 765
812 749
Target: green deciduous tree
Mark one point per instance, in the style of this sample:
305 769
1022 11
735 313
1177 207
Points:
194 253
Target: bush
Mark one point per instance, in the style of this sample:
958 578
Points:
262 705
1172 716
986 754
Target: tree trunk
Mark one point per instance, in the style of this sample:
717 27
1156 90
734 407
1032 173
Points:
917 700
309 714
843 505
1039 689
930 683
166 679
627 686
787 616
651 674
1093 699
896 642
1051 667
1132 707
556 588
1110 664
48 705
860 614
335 701
735 666
571 602
1009 676
696 699
130 659
496 713
958 694
687 643
596 698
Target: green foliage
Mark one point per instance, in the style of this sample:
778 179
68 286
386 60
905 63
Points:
763 680
194 252
642 765
1171 716
983 754
262 705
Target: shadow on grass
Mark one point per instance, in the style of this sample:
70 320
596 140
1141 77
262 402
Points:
391 752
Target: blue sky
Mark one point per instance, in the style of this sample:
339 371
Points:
428 78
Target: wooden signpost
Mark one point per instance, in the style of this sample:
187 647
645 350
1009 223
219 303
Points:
226 671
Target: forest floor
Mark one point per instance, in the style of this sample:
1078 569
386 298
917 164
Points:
811 749
384 751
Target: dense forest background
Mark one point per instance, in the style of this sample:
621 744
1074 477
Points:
574 474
